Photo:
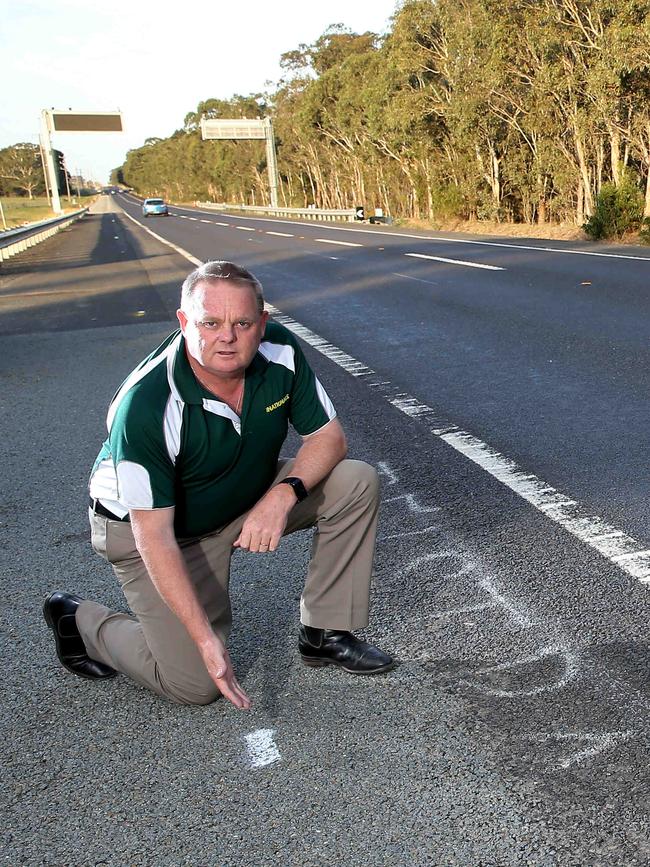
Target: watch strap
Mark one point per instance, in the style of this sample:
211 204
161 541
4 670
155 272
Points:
299 488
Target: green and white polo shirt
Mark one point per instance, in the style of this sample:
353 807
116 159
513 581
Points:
172 443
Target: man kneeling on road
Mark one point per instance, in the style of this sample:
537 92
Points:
190 471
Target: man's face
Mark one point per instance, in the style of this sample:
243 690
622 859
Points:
222 326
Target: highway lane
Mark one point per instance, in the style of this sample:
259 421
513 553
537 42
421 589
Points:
546 360
515 730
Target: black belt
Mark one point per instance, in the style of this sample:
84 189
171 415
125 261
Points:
98 509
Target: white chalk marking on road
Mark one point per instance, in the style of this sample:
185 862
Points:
455 262
518 616
384 470
434 528
601 741
571 670
281 234
412 503
262 749
341 243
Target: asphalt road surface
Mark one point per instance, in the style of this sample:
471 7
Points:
507 412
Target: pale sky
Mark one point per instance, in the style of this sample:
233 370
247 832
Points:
151 62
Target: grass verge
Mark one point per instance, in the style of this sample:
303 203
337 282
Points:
21 212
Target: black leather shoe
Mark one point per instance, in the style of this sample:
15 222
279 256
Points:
59 611
334 647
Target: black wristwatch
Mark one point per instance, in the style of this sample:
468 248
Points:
298 488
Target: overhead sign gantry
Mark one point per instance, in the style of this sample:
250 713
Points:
53 120
247 129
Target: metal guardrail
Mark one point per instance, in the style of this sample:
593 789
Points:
15 241
348 214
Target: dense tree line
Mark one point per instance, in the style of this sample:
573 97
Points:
519 110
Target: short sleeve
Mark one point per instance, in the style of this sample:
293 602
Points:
311 407
144 469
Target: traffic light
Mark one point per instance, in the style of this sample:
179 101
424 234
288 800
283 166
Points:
61 171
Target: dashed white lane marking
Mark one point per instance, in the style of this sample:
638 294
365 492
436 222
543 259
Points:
281 234
262 749
505 245
220 224
620 549
246 228
624 551
340 243
456 262
195 219
207 221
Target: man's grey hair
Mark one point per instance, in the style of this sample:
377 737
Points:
219 270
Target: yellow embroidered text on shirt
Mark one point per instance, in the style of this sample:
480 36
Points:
278 403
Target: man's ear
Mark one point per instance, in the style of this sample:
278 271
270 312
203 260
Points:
182 319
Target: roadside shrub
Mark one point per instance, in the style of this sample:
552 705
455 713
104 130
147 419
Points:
644 234
618 210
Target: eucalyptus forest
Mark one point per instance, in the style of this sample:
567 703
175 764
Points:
509 110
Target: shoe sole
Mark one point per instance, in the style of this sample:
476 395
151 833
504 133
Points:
318 662
50 623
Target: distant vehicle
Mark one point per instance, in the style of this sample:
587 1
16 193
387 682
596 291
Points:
154 208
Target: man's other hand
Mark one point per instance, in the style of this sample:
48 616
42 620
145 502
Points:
263 528
217 661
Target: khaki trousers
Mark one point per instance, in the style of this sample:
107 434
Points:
154 648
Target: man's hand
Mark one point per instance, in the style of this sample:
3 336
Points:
265 523
217 661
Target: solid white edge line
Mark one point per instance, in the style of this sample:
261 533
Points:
180 250
621 550
455 262
607 540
